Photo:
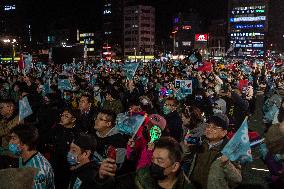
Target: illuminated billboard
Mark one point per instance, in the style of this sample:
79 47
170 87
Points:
201 37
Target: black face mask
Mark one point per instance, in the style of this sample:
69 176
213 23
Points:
157 172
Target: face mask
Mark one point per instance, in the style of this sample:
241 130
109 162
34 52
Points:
166 110
72 159
198 98
157 172
66 97
215 111
14 149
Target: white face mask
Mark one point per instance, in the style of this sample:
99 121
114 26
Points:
215 111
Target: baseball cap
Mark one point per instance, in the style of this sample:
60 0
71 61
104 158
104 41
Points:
220 120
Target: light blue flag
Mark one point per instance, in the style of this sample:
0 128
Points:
176 63
163 69
144 80
93 80
238 148
130 70
129 124
179 94
28 63
46 88
246 69
192 58
64 84
24 109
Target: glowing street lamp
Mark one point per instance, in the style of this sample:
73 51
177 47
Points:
7 41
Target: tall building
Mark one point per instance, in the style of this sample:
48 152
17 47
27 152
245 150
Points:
139 30
113 25
217 38
185 26
276 26
248 27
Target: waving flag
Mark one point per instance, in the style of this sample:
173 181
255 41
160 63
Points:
28 63
24 109
64 84
129 124
46 88
130 70
192 58
206 67
238 148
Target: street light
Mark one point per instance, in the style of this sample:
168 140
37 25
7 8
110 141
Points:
174 35
135 53
6 41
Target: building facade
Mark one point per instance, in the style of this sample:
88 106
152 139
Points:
185 26
217 38
248 27
139 30
112 31
276 26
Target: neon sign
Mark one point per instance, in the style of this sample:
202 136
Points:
248 26
248 19
201 37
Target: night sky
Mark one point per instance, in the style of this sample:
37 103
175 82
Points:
87 14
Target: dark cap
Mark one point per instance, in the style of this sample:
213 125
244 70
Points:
86 142
220 120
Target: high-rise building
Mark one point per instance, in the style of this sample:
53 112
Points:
217 38
185 26
248 27
139 30
276 26
113 25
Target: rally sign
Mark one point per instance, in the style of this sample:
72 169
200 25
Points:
184 85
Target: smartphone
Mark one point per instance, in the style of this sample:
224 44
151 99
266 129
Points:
193 140
111 152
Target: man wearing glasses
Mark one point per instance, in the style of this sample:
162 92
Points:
164 172
211 169
107 135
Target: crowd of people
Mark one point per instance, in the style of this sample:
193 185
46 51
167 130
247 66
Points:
74 137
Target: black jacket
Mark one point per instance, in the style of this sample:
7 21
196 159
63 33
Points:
58 141
86 121
174 125
84 177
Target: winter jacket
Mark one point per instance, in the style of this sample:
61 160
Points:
141 179
85 120
145 158
6 125
59 140
115 139
208 172
84 176
174 125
